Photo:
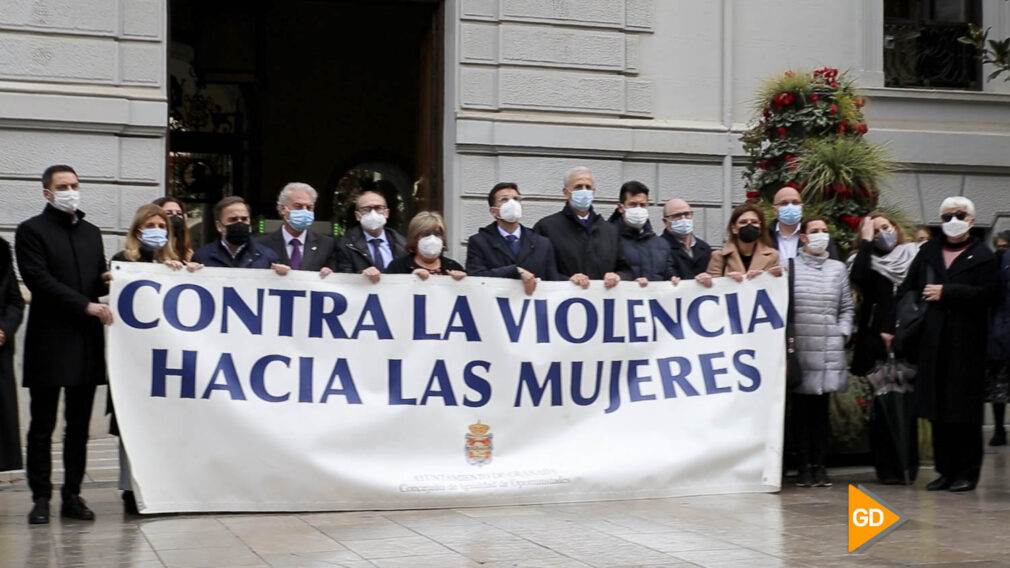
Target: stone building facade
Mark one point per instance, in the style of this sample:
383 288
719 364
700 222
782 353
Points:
654 90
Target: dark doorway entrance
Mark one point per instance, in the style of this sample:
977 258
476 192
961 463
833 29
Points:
339 94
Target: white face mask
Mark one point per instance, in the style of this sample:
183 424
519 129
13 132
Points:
682 227
817 243
636 216
430 246
955 228
67 200
373 221
511 211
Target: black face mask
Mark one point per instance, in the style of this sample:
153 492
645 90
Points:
176 223
237 233
749 233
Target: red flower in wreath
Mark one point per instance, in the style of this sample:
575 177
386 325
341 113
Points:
852 221
753 194
841 127
782 132
861 128
814 98
834 109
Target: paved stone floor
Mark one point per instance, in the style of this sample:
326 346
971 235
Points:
797 527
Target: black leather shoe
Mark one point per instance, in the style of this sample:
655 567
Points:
960 485
939 484
130 503
40 513
74 508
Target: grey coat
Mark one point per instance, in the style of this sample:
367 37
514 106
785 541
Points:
824 312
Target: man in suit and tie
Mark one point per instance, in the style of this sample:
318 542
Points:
506 249
294 243
369 248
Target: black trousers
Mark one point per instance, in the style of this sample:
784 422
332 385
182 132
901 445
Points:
957 449
810 428
77 415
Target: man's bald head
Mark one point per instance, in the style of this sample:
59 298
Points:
674 206
786 195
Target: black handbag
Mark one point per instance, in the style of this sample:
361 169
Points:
794 375
910 319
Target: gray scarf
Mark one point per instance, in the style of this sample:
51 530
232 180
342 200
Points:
894 265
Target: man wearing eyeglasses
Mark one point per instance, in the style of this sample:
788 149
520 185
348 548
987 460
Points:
506 249
690 254
295 244
785 231
369 248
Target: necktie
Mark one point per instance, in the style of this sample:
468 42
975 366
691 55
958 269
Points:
296 254
376 253
513 245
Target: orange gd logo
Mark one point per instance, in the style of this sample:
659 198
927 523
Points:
869 518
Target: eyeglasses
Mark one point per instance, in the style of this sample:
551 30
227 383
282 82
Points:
961 215
745 222
675 216
784 203
507 198
368 209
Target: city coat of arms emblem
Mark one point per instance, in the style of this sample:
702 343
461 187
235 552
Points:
478 444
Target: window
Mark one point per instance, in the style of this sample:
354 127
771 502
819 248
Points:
921 47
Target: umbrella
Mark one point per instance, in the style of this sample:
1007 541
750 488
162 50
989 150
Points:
893 384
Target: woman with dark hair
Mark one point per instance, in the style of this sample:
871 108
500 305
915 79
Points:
176 214
425 245
748 250
12 307
823 313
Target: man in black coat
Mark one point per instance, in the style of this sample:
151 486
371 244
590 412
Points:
586 247
62 261
369 248
647 255
506 249
294 243
958 278
236 248
690 254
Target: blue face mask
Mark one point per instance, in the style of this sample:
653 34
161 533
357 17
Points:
582 199
682 227
300 219
154 237
791 214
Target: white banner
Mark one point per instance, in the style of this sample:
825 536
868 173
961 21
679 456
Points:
241 390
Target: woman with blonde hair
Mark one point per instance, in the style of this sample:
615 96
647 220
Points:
426 243
748 250
148 240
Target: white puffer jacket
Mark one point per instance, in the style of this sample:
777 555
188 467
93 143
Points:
823 322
